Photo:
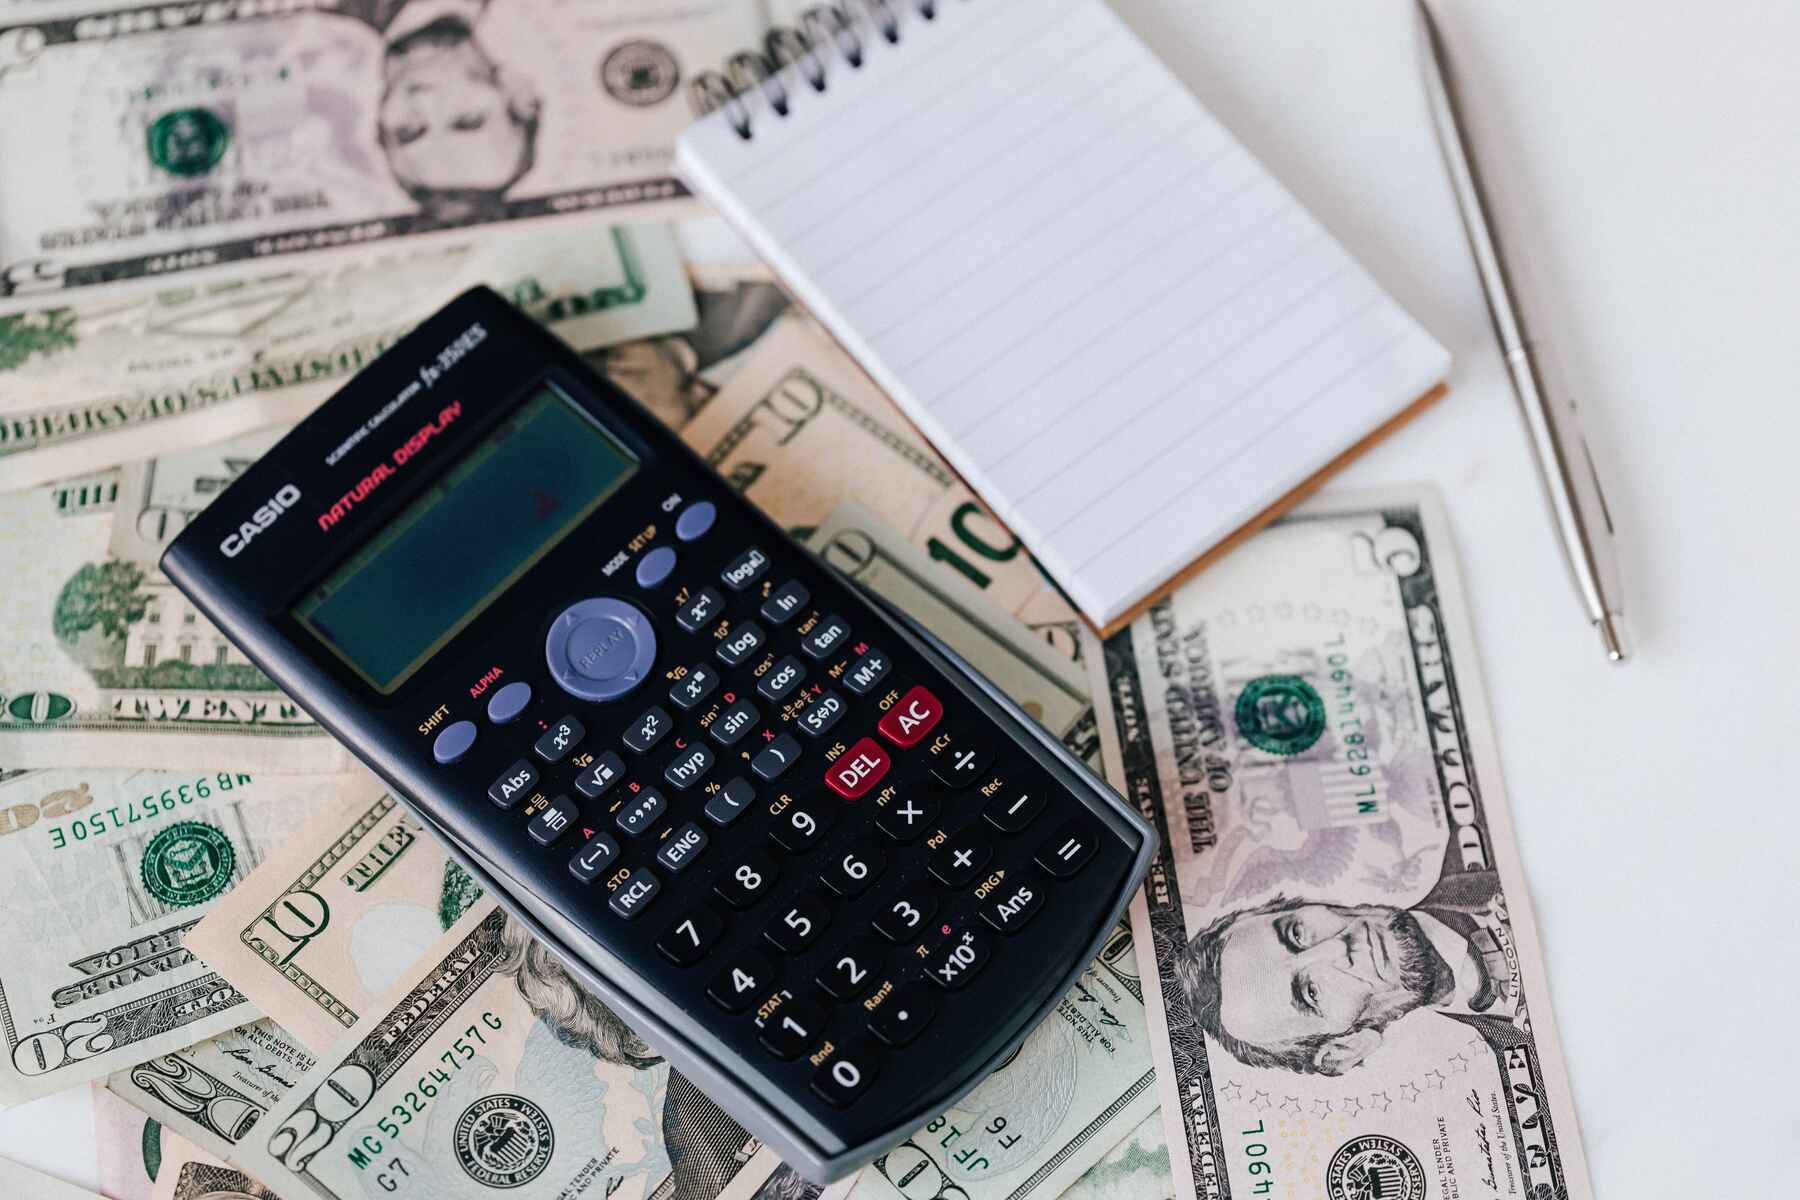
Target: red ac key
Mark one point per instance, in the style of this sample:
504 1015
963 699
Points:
907 723
860 769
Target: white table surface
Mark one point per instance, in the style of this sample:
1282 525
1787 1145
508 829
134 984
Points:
1647 160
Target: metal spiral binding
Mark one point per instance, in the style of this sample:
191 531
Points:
807 46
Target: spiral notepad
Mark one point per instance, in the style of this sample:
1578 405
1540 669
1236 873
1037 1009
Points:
1127 337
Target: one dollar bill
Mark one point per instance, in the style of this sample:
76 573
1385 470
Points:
91 381
176 142
102 873
1342 966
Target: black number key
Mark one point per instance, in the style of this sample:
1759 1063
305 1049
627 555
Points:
905 915
694 687
561 737
605 771
867 671
786 603
852 970
826 637
799 826
800 925
642 811
741 643
1012 811
745 569
824 713
553 820
513 786
652 726
956 861
746 978
792 1028
847 1076
730 802
903 1016
855 868
749 881
600 853
1068 849
686 941
688 766
701 610
775 758
962 764
780 680
730 726
1007 910
955 962
908 817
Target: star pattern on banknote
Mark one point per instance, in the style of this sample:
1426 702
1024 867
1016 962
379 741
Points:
1434 1080
1260 1102
1321 1108
1459 1065
1291 1106
1409 1092
1232 1090
1350 1106
1380 1101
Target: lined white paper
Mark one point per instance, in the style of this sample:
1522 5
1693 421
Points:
1120 330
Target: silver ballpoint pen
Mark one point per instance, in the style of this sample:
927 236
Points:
1566 467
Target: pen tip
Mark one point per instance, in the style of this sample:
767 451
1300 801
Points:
1612 636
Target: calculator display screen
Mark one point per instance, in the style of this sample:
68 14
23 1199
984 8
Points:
480 525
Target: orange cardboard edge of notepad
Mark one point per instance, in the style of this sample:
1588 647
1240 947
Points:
1254 525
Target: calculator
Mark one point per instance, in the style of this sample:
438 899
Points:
819 863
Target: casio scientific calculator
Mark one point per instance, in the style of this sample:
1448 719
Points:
819 863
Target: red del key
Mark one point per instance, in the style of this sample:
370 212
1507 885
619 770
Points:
910 720
860 769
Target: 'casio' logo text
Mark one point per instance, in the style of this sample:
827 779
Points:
264 516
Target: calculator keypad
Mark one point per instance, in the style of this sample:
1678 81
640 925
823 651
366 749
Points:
841 852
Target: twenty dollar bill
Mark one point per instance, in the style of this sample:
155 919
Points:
102 873
1341 961
172 142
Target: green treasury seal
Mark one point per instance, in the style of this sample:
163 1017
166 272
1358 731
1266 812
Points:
188 141
640 73
1280 714
1374 1168
188 863
503 1140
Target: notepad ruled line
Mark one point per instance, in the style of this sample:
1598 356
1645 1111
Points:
1362 364
996 462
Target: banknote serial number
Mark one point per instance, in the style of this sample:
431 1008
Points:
972 1157
1258 1154
424 1090
144 808
1349 724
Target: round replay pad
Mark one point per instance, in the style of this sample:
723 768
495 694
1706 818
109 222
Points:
600 648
